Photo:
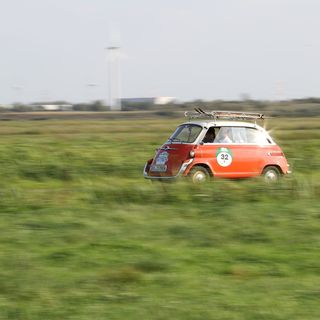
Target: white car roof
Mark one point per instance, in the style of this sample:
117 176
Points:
225 123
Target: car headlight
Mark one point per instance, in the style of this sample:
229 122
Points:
191 153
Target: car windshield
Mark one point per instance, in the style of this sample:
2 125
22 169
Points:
186 133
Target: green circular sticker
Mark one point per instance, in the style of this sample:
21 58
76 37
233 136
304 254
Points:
224 157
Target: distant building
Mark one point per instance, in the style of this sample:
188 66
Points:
53 107
164 100
150 100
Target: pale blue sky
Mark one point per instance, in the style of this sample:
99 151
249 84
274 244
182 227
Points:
189 49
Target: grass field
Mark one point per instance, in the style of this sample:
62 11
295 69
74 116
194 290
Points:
84 236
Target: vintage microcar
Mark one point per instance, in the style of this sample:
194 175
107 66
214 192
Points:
218 144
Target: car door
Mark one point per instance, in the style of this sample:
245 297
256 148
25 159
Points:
231 155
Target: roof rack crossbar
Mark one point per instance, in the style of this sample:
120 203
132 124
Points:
216 114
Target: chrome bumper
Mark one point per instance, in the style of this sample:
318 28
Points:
181 171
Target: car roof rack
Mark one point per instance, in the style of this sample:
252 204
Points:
229 115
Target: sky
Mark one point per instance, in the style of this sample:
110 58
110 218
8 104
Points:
188 49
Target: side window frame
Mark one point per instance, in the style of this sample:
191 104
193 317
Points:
260 137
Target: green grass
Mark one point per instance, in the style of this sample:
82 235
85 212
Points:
84 236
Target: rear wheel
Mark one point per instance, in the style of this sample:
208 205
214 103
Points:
199 174
271 174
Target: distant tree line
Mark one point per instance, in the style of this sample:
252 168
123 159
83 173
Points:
293 108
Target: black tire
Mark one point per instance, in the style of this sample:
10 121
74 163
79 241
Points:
271 174
199 174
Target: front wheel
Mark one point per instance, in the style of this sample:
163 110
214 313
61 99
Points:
271 174
199 174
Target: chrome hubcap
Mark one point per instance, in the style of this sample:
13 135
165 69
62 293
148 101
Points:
271 176
199 176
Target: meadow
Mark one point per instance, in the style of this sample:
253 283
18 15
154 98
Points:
84 236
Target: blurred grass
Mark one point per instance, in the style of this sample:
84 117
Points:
83 236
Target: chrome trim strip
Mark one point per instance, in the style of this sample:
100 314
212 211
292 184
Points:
167 148
181 171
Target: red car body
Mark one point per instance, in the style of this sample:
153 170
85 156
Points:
248 151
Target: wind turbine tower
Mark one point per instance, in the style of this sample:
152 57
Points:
114 77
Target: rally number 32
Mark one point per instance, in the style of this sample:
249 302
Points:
224 159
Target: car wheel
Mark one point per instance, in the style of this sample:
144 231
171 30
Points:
271 174
199 174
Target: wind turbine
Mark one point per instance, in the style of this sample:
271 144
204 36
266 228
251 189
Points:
114 77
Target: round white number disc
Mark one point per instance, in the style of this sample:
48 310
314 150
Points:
224 159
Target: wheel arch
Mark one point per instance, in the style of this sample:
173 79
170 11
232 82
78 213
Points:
204 165
272 165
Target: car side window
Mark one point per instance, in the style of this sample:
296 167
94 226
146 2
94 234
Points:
224 135
256 136
210 135
231 135
240 135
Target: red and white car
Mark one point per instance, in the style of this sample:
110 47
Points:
218 144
